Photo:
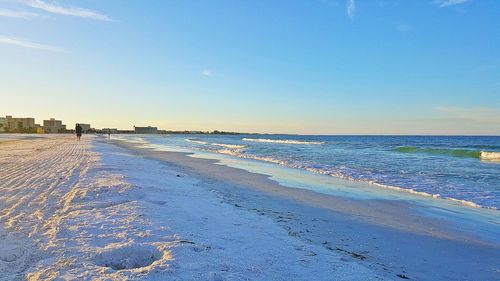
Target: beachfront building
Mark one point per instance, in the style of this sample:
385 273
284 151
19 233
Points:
2 124
53 126
146 130
85 127
11 124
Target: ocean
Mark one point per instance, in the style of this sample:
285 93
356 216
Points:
464 168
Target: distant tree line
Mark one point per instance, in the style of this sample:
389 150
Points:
216 132
19 130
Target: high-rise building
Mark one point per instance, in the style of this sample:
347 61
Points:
85 127
146 130
12 124
53 126
3 123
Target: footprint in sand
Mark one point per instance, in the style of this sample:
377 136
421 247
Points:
119 257
10 253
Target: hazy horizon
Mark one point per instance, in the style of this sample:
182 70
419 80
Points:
322 67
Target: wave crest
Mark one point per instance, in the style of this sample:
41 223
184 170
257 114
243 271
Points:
490 156
284 141
196 141
483 155
234 146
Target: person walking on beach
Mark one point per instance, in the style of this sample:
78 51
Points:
78 130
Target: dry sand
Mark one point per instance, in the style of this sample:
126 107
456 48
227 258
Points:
93 211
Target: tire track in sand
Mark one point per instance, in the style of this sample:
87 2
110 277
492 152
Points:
37 176
34 177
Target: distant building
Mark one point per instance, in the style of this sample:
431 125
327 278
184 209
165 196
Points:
17 124
85 127
53 126
145 130
3 124
126 131
110 130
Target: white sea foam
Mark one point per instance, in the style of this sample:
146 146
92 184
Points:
196 141
130 139
467 203
238 153
235 146
236 150
338 174
436 196
490 156
409 190
284 141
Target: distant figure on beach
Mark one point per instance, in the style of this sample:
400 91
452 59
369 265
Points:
78 130
109 134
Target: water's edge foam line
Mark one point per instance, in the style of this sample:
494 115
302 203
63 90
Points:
284 141
238 149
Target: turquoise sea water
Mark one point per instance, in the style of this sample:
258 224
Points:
462 168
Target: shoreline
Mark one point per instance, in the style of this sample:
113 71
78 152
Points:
410 230
101 209
90 210
371 209
376 186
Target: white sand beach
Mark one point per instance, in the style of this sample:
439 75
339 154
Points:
110 210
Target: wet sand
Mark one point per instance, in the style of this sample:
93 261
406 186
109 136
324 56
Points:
393 237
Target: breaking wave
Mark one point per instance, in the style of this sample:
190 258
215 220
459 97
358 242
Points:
284 141
484 155
235 146
196 141
490 156
226 145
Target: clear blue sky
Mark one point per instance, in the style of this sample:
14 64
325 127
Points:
311 66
